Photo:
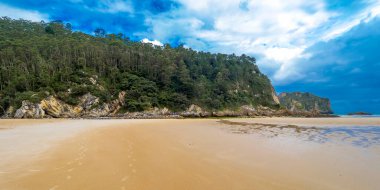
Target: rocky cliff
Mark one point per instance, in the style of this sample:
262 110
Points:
51 107
89 106
305 102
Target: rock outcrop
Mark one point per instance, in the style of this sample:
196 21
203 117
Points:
58 109
106 109
360 113
30 110
89 106
9 113
195 111
305 102
243 111
275 97
52 107
87 101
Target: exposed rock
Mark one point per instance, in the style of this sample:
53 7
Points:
101 111
247 110
89 106
157 111
87 101
194 108
29 110
9 112
93 80
58 109
266 111
195 111
108 109
360 113
275 97
225 113
121 98
153 113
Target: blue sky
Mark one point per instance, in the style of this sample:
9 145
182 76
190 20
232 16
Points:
327 47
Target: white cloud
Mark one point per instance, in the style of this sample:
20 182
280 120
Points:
17 13
154 42
275 31
283 54
365 15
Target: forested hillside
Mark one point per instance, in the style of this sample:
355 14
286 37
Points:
43 59
297 101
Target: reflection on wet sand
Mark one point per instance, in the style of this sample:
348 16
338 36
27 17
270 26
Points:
358 136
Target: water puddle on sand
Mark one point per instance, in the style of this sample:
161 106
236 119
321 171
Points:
364 136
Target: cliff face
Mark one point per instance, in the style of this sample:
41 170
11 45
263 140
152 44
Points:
305 102
89 107
51 107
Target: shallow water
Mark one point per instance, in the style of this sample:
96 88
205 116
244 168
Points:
363 136
359 116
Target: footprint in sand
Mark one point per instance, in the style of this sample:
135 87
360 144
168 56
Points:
125 178
54 187
34 170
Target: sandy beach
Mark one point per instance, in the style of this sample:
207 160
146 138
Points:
262 153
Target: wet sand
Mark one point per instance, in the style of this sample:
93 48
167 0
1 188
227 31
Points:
334 121
180 154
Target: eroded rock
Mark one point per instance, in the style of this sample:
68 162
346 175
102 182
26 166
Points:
30 110
58 109
195 111
87 101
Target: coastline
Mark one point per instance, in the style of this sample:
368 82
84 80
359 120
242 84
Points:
325 120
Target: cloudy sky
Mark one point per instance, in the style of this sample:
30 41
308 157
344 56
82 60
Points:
328 47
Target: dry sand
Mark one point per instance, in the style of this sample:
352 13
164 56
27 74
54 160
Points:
179 154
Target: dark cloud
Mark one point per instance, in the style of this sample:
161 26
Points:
348 67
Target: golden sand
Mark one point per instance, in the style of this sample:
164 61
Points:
181 154
11 123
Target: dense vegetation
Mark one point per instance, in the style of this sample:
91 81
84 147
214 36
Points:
42 59
298 101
